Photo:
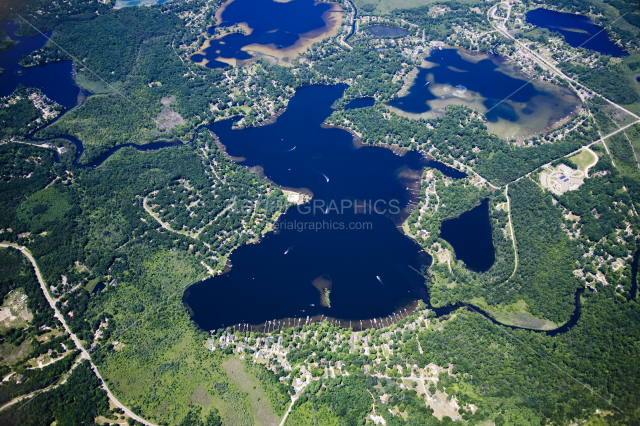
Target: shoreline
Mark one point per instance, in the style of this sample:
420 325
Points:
545 121
333 23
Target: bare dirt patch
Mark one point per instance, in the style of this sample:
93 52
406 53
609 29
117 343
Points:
168 118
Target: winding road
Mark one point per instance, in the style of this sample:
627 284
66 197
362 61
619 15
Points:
76 341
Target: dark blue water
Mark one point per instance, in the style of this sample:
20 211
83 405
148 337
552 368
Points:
578 31
153 146
386 31
361 103
274 23
353 25
483 77
373 269
470 236
99 287
54 80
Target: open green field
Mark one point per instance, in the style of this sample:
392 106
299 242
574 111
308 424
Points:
516 314
634 136
381 7
262 412
10 354
620 146
583 159
92 284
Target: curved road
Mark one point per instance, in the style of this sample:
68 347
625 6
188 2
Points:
76 341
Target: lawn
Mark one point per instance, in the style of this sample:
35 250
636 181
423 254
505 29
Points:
583 159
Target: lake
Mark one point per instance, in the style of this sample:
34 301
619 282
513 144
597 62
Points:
54 80
371 268
386 31
578 31
276 29
514 105
361 103
470 236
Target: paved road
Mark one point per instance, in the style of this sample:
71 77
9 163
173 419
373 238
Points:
76 341
543 62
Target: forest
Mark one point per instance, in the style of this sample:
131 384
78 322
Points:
493 158
439 27
78 401
612 81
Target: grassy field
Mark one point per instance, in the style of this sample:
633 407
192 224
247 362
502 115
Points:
516 314
634 136
623 153
381 7
92 284
583 159
163 367
262 413
10 354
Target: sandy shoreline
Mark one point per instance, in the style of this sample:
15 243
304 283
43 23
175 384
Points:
553 104
333 22
332 19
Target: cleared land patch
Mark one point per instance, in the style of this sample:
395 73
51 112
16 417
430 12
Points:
516 314
584 159
14 312
168 118
262 412
381 7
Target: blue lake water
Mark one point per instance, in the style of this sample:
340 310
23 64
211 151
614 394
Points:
55 80
373 270
273 24
470 236
360 103
578 31
386 31
489 84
